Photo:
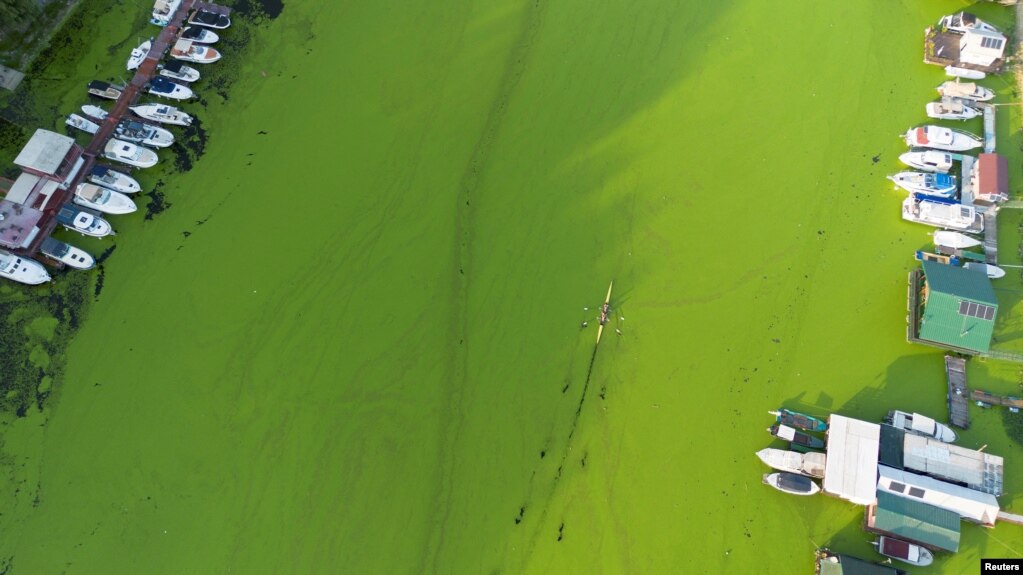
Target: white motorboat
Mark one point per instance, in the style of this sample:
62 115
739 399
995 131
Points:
952 109
964 73
139 133
209 19
94 112
67 253
791 483
128 153
163 114
927 160
954 240
87 126
994 272
103 199
84 222
811 464
200 35
164 88
963 22
941 138
190 52
22 270
114 180
177 70
926 183
949 216
138 55
104 90
903 551
163 11
967 90
920 425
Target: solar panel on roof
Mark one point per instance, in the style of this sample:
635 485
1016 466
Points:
977 310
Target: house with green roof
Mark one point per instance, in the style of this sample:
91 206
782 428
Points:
955 308
914 521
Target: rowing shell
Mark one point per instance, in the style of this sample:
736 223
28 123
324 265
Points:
604 311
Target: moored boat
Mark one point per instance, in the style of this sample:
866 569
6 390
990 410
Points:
605 311
128 153
163 10
68 254
177 70
811 464
190 52
22 270
949 216
964 22
200 35
994 272
163 114
941 138
920 425
114 180
927 160
138 55
791 483
104 90
927 183
209 19
83 221
797 439
94 112
164 88
799 420
951 109
904 551
954 240
87 126
103 199
964 73
967 90
831 563
139 133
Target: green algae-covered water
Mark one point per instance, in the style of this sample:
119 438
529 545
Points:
353 344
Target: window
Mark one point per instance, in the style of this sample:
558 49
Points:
977 310
993 43
916 492
898 487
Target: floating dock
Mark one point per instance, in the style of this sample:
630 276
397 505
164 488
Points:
958 405
992 399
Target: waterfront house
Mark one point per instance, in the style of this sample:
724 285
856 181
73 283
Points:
914 521
964 41
969 504
990 179
952 308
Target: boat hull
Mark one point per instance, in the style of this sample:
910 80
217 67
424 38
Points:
993 272
791 483
954 240
964 73
904 551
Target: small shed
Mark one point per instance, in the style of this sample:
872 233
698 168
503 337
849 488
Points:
973 469
914 521
19 225
960 307
851 469
971 505
981 47
991 178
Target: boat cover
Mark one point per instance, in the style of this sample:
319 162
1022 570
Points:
959 89
900 549
90 192
793 482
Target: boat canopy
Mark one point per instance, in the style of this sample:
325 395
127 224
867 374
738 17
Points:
851 469
944 181
91 192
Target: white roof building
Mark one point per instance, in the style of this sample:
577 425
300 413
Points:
974 469
44 152
981 47
851 469
969 504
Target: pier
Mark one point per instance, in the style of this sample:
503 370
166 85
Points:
958 406
146 71
992 399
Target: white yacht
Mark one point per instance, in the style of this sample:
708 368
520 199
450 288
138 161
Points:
177 70
128 153
164 88
941 138
920 425
949 216
191 52
83 124
163 114
927 160
952 109
138 55
200 35
103 199
163 11
114 180
94 112
84 222
22 270
967 90
926 183
67 253
139 133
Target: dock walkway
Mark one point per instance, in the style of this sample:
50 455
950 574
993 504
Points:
958 405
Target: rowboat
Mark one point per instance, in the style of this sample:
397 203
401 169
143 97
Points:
799 420
605 311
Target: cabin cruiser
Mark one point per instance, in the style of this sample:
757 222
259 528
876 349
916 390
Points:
138 55
128 153
209 19
104 90
966 90
177 70
200 35
951 109
83 221
940 215
163 11
68 254
920 425
94 112
926 183
164 88
963 22
163 114
139 133
22 270
927 160
103 199
114 180
83 124
942 138
190 52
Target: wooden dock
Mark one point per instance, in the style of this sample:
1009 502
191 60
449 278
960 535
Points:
991 235
992 399
166 38
958 405
989 128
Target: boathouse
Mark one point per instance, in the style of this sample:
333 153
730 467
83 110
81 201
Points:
51 156
959 308
969 504
990 179
851 469
914 521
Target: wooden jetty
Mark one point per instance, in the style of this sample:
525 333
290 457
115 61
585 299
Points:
992 399
991 235
958 405
1010 517
143 75
989 127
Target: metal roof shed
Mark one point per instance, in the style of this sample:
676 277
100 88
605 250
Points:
974 469
22 187
960 307
914 521
971 505
851 470
991 178
44 152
